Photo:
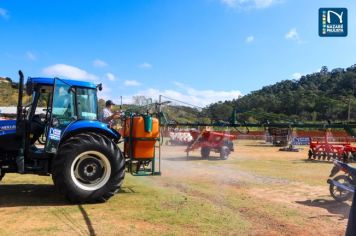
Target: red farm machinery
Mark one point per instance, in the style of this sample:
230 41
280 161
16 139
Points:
211 141
329 149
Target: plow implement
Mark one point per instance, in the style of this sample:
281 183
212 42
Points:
329 150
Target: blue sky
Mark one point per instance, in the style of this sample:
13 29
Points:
198 51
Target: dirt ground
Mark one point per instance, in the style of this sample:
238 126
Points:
307 194
257 191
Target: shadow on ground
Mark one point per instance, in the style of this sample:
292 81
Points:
261 145
310 161
192 158
14 195
339 209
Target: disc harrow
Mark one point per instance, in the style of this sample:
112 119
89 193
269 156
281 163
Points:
328 151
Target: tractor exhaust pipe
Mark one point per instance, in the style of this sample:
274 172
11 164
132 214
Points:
20 96
20 159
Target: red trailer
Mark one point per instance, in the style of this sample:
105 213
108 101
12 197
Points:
208 141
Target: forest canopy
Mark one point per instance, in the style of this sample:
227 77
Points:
326 95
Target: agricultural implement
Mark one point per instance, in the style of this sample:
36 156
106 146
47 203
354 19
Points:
141 133
321 150
280 137
180 137
328 151
80 153
209 141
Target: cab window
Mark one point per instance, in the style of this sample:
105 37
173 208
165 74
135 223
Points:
87 104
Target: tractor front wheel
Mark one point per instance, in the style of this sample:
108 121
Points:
224 152
205 152
88 168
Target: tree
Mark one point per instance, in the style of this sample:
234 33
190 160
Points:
324 70
314 97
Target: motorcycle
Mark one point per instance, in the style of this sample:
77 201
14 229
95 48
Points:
342 187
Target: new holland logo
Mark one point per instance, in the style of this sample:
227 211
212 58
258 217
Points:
332 22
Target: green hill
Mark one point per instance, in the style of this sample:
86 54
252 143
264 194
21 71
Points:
314 97
8 94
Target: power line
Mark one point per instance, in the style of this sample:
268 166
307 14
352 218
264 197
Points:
191 105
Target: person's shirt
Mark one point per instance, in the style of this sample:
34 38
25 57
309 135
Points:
106 114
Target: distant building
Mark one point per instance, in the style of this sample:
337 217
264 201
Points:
8 112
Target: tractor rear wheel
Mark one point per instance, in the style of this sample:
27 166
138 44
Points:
89 168
205 152
224 152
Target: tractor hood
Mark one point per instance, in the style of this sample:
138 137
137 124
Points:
7 127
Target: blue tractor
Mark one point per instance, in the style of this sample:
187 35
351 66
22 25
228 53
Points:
79 152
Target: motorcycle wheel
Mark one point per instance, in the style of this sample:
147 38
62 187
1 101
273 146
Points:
339 194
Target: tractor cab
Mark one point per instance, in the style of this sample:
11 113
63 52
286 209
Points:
55 105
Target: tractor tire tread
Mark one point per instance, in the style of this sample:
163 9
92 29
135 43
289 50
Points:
72 146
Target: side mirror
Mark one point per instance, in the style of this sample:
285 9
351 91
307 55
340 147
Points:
99 87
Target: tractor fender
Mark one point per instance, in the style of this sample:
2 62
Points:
82 126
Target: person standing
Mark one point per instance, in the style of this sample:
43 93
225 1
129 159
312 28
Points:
108 116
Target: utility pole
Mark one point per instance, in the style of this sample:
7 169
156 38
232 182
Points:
349 111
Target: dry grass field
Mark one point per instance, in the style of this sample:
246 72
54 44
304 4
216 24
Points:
257 191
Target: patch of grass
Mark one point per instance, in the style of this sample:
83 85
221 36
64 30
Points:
294 170
141 208
176 212
238 199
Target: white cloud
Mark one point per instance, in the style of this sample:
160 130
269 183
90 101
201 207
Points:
265 3
68 71
250 39
293 35
110 76
230 3
296 75
178 84
145 65
4 13
31 56
131 83
190 95
99 63
247 4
